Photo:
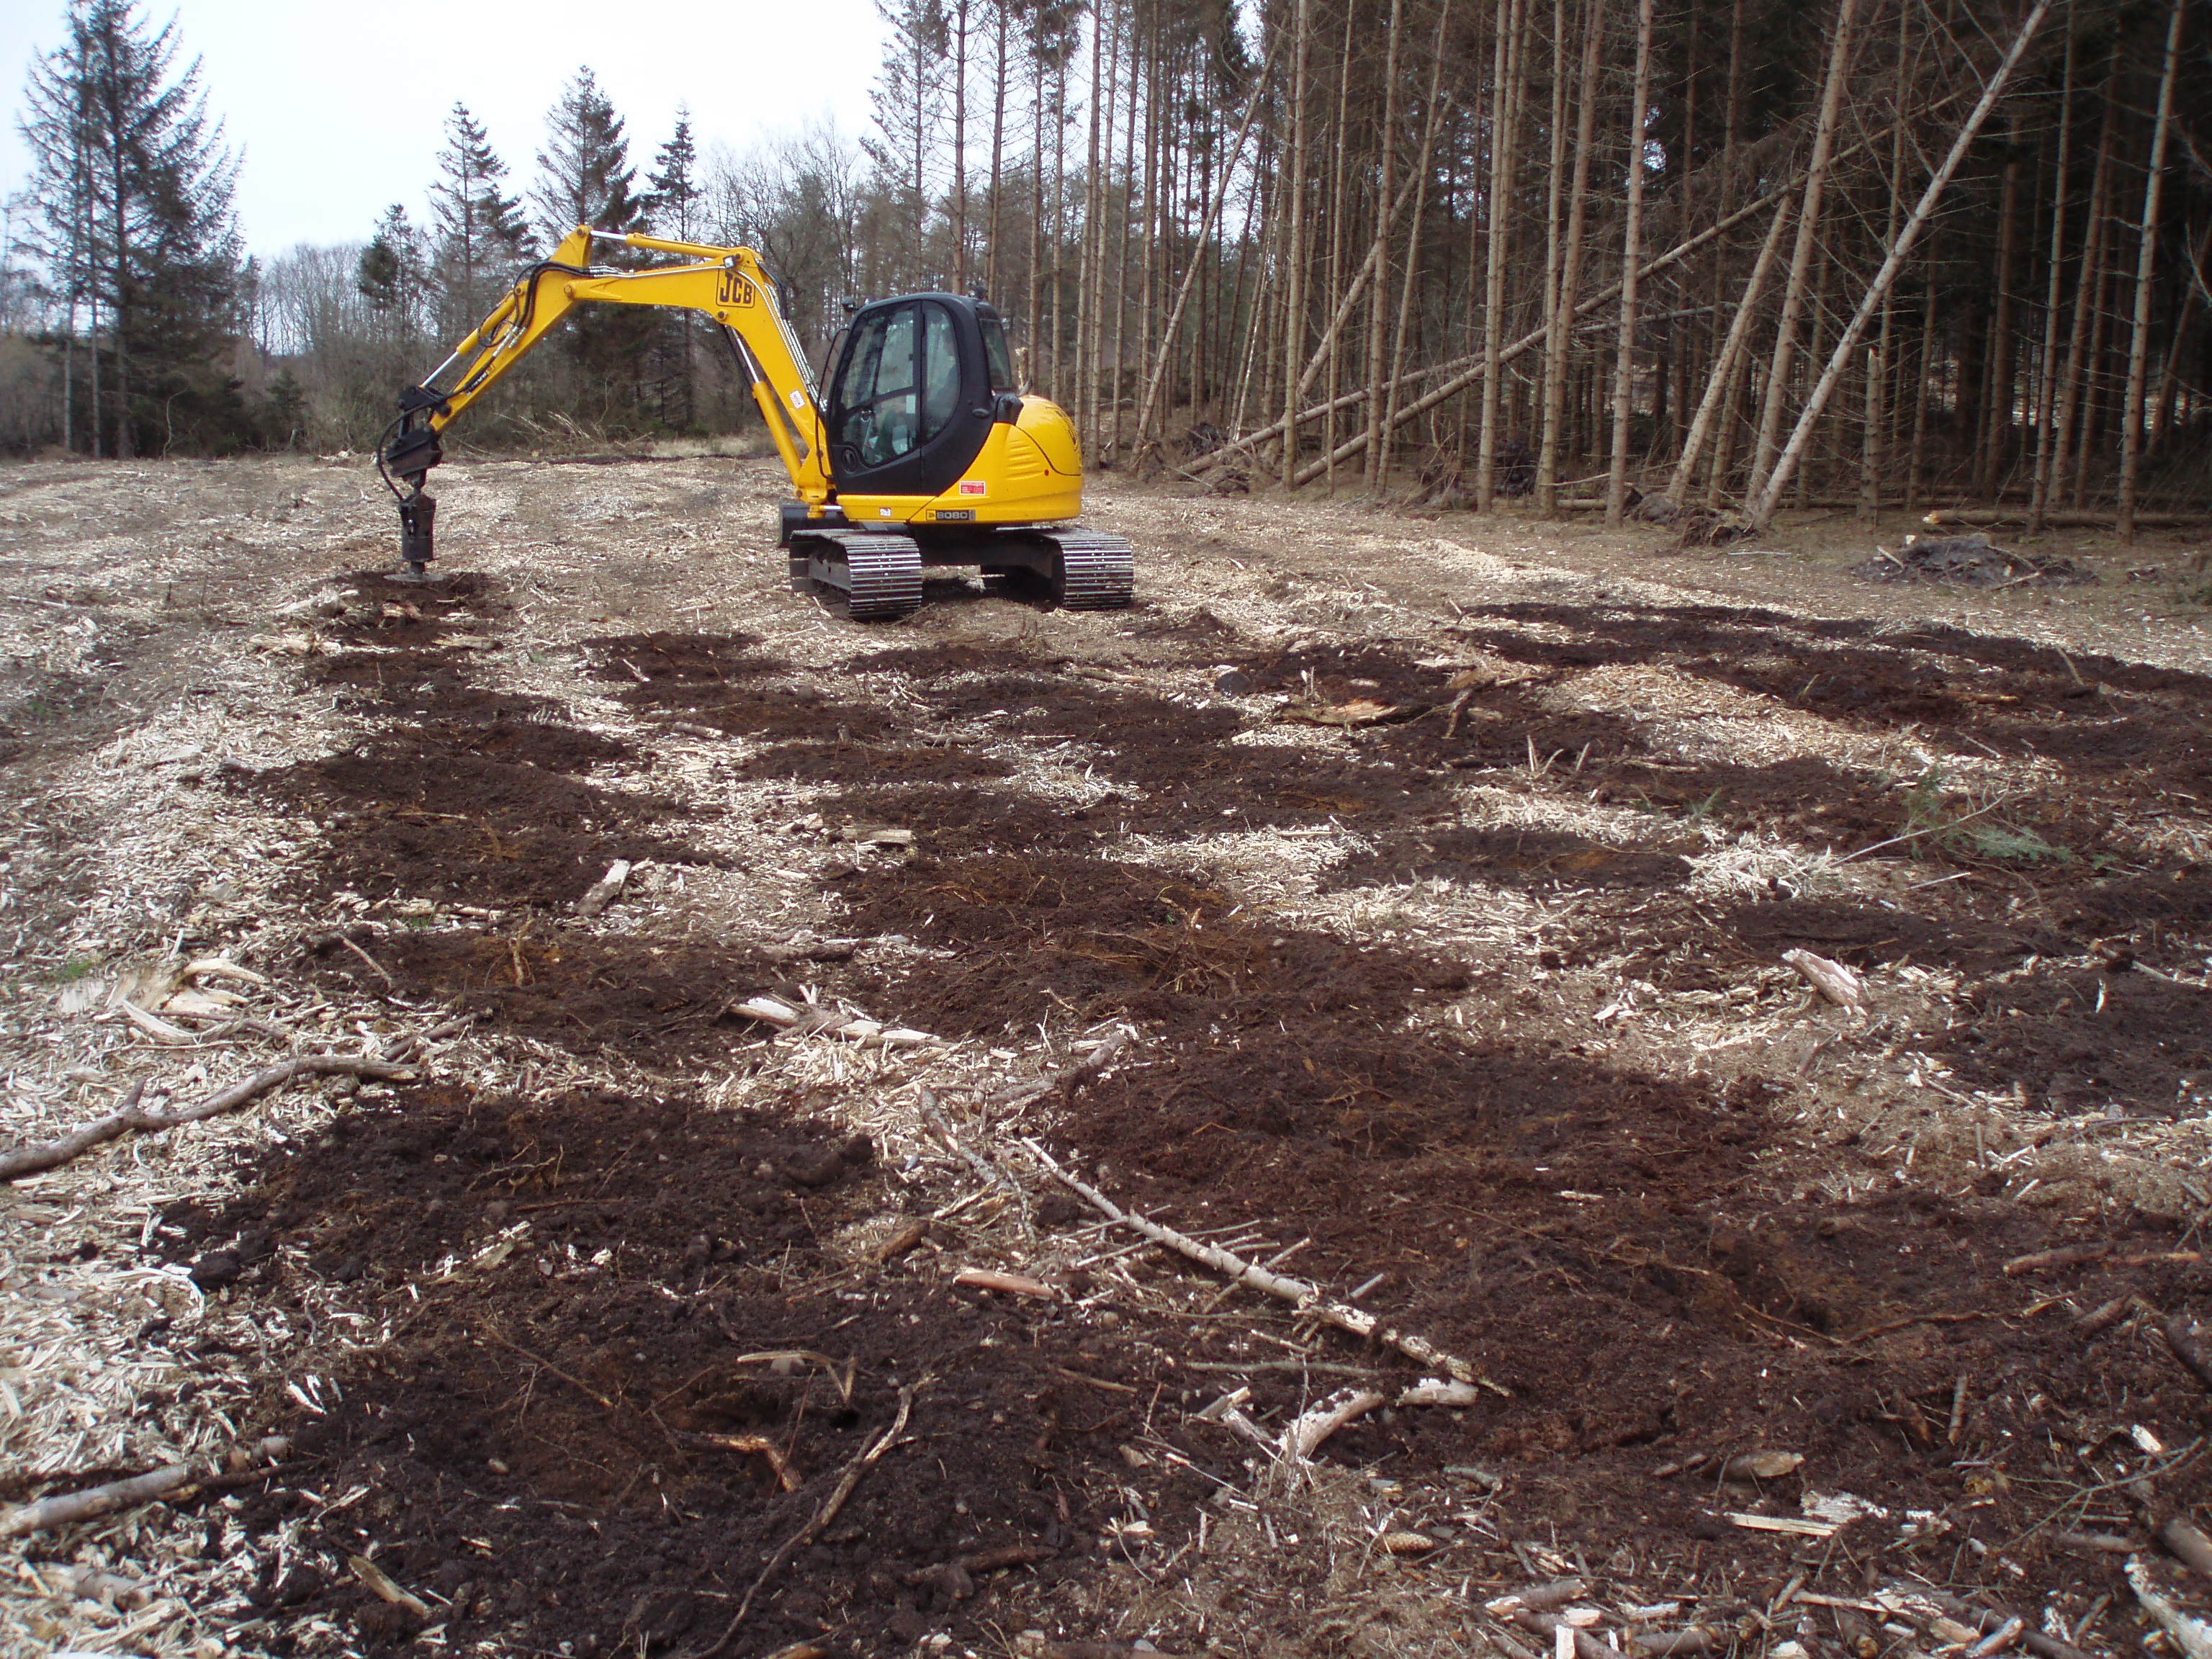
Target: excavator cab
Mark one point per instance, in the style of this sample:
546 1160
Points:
915 391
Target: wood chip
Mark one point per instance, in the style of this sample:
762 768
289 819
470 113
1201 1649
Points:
1762 1466
2066 1255
381 1585
1837 983
990 1278
1784 1523
606 889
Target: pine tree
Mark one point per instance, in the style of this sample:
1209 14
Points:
584 178
674 205
390 272
133 188
481 235
584 173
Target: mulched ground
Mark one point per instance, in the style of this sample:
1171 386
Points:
583 1290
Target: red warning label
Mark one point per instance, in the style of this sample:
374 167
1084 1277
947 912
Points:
972 487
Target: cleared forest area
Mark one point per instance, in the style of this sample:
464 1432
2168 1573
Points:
1433 910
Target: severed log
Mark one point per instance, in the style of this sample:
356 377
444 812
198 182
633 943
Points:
127 1118
95 1501
1994 518
2189 1545
1306 1295
606 890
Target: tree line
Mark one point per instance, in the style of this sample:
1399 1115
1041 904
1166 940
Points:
1675 256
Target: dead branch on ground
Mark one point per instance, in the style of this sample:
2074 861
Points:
95 1501
1305 1295
127 1118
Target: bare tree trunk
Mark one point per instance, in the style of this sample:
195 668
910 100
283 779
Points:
1294 239
1723 375
1086 390
2086 287
1429 124
1808 237
1762 505
2131 405
1915 464
1879 365
2169 382
1505 134
998 148
1554 230
1162 361
2047 369
1118 354
960 10
1998 404
1560 336
1378 309
1624 362
1337 208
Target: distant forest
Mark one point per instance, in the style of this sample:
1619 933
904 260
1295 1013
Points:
1742 254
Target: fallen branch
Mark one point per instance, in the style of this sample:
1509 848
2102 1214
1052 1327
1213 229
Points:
806 1020
1993 1615
1993 518
127 1118
822 1517
2065 1256
95 1501
1070 1077
754 1445
1306 1295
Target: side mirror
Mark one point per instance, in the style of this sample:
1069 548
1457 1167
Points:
1006 408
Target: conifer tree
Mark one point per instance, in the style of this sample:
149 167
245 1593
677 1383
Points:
584 173
584 178
390 272
674 205
675 208
481 235
133 188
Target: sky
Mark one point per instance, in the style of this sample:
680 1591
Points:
339 110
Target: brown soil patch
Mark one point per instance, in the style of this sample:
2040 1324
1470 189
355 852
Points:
534 1438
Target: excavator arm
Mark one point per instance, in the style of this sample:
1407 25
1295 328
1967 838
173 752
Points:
727 285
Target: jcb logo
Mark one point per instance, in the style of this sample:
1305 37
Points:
736 290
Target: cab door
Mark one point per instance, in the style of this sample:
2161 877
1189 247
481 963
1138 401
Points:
910 404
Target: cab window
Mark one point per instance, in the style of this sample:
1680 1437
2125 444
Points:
940 361
999 356
878 406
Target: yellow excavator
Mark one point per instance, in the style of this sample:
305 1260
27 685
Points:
924 453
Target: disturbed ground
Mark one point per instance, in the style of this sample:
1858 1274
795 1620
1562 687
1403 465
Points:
1429 882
